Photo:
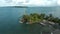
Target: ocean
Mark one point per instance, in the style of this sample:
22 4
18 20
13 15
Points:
9 19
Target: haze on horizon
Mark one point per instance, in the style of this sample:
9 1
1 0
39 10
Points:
29 3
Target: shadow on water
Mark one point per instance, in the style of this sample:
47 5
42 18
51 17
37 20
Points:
29 29
20 29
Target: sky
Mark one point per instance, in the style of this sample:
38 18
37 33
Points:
29 2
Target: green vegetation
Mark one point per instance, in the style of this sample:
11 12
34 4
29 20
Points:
37 18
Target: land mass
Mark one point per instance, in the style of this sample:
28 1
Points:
38 18
14 7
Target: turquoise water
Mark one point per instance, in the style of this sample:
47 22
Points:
9 19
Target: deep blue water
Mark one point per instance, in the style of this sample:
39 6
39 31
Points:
9 19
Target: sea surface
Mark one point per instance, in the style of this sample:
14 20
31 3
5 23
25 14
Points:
9 19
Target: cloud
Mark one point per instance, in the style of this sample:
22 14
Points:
42 2
58 2
8 1
28 2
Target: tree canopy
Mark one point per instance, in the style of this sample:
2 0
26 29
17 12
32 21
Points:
37 18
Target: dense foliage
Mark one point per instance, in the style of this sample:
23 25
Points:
36 18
